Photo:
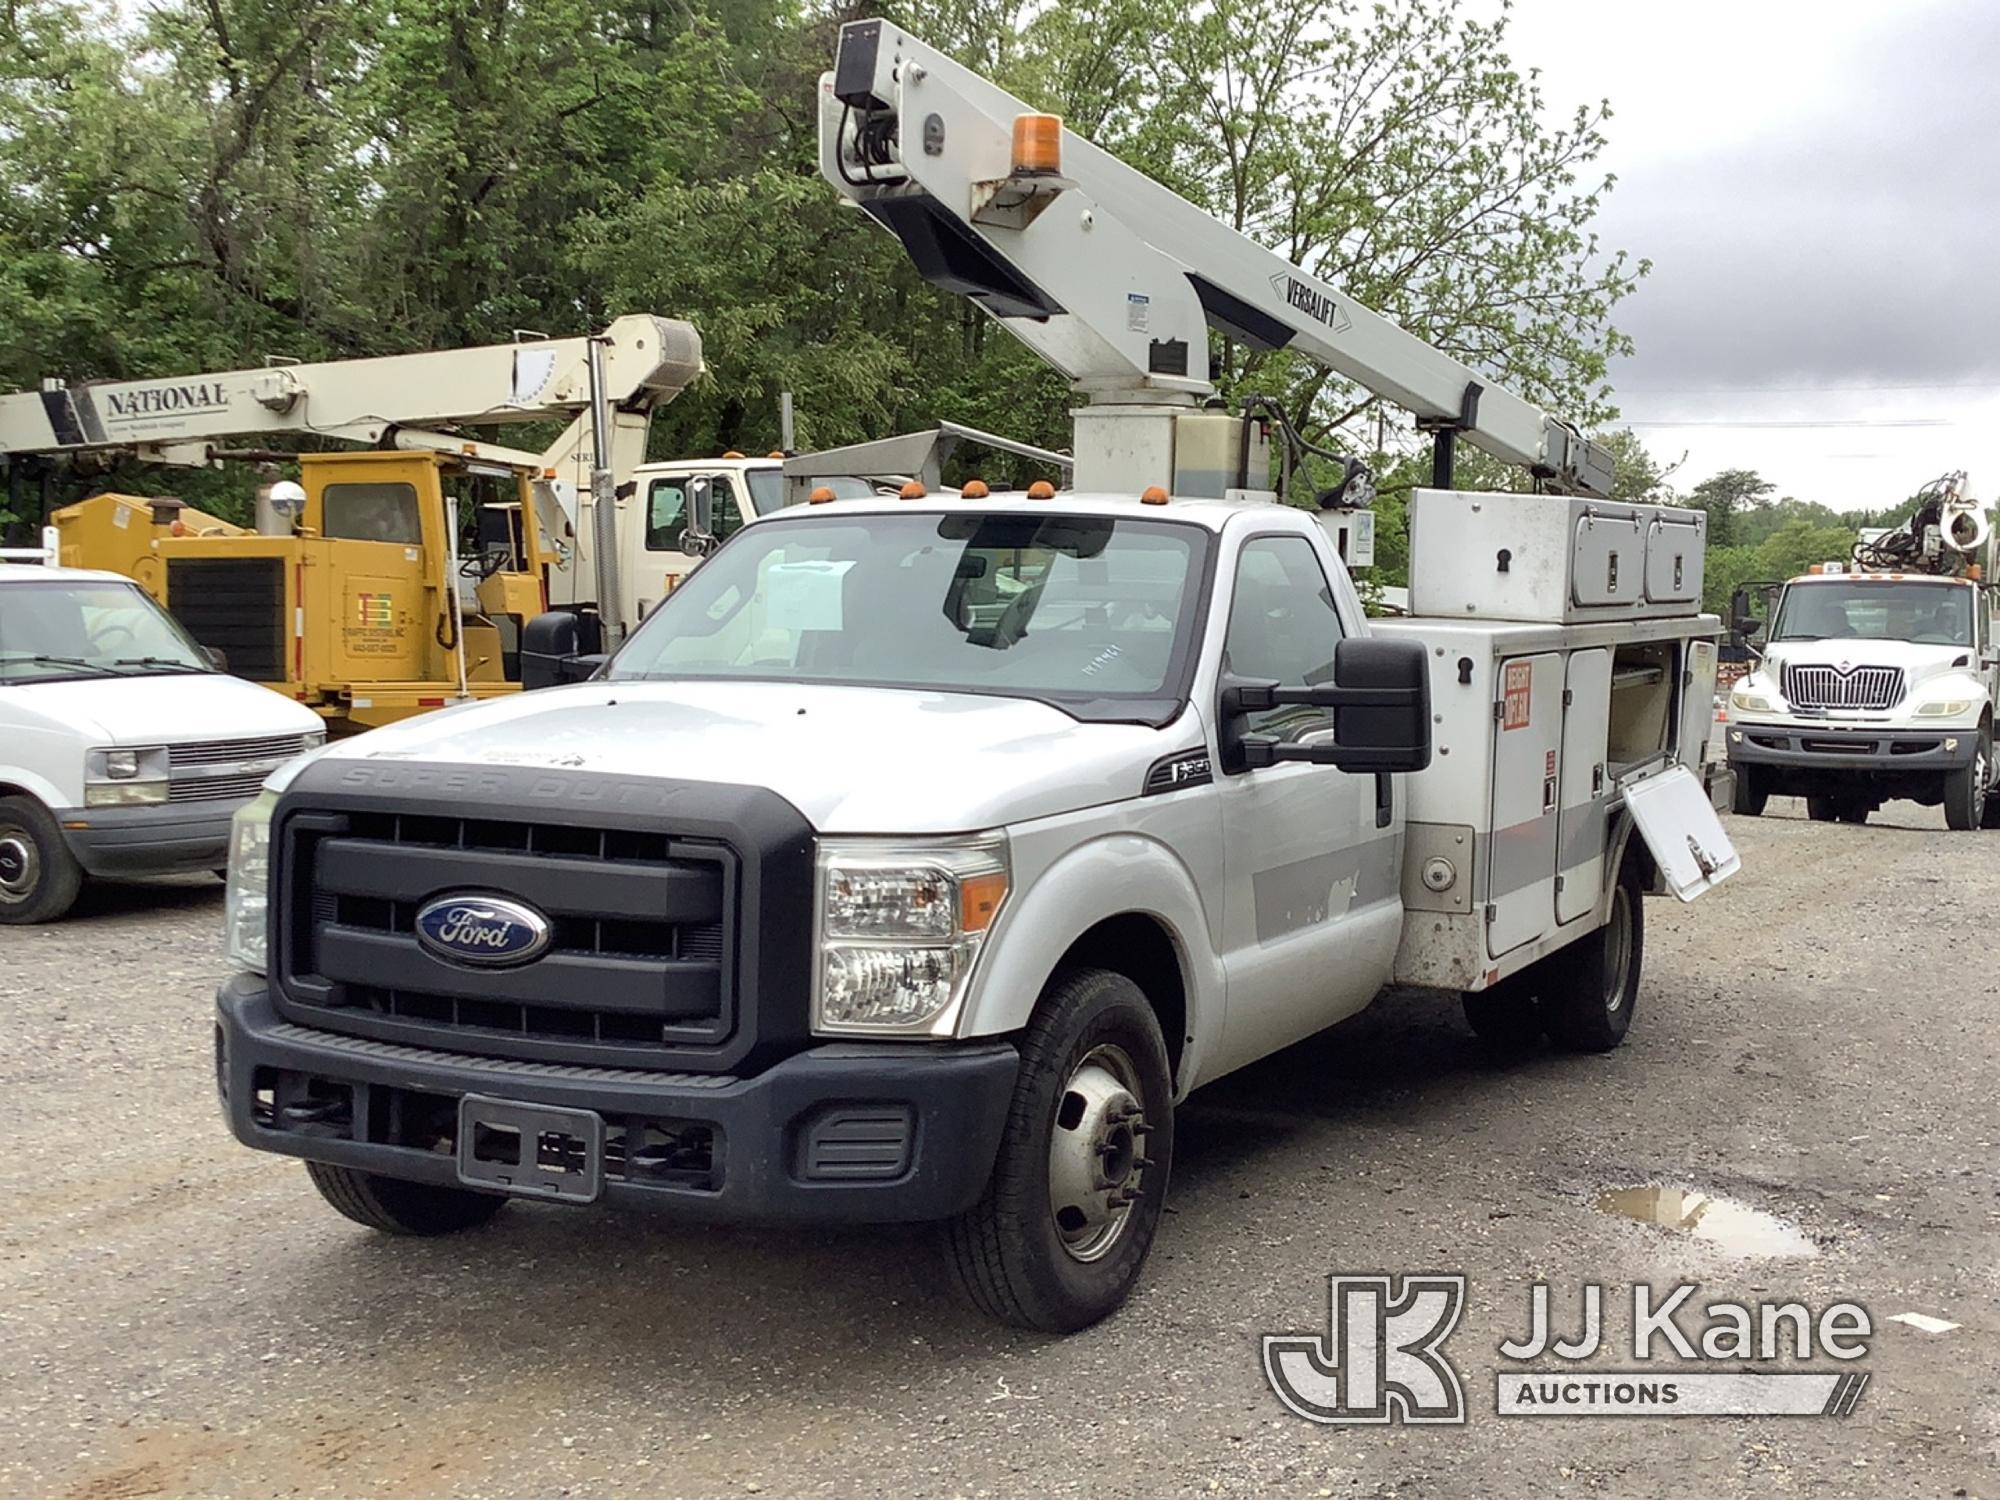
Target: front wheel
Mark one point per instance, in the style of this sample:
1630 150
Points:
1058 1239
1748 796
39 877
1965 788
397 1207
1594 983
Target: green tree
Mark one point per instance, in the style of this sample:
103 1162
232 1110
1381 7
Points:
1725 497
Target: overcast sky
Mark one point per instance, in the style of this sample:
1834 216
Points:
1817 184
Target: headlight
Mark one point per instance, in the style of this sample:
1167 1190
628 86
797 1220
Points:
1751 701
900 928
1944 708
122 776
248 900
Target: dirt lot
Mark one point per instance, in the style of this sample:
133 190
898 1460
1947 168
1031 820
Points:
181 1316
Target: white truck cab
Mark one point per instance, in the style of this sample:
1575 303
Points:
653 557
1872 686
124 750
915 858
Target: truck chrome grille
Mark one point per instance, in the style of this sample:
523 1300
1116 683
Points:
640 961
232 752
1818 687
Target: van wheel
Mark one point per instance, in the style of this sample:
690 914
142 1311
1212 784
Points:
39 877
398 1207
1965 797
1823 809
1593 984
1058 1239
1854 811
1505 1016
1748 796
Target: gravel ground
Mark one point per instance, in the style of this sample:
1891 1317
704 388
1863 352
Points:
181 1316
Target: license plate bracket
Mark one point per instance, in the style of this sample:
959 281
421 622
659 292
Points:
531 1150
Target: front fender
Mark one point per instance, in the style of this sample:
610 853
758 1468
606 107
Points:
1113 875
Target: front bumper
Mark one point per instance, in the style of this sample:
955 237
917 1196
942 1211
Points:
153 840
857 1133
1831 747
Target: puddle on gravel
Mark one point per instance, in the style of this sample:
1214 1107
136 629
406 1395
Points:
1732 1227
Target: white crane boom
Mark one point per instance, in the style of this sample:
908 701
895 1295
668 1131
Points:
1114 279
398 400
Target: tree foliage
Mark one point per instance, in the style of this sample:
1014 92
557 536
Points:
199 184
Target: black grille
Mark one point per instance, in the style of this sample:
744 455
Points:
235 605
640 964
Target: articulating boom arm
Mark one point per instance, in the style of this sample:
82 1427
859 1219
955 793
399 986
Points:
1112 278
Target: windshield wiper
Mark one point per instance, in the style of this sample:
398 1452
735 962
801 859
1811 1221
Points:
159 663
41 659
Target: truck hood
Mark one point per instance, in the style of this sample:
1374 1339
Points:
852 760
1920 661
160 709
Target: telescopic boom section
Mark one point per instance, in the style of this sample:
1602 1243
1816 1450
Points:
1112 278
403 400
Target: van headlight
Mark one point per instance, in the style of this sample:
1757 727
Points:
124 776
900 927
247 903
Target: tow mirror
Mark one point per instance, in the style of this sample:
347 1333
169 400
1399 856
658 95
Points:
698 539
1741 620
552 649
1379 704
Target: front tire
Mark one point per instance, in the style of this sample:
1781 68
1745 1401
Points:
1058 1240
1965 799
1593 984
393 1206
39 877
1748 796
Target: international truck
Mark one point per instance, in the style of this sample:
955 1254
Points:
1878 677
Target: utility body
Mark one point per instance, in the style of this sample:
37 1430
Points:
916 856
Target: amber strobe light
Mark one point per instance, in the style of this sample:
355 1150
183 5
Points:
1038 145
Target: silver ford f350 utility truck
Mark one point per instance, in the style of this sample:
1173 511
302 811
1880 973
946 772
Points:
914 859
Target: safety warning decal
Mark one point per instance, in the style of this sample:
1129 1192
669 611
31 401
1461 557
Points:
1520 687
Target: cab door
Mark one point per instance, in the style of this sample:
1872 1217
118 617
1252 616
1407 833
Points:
1312 854
657 563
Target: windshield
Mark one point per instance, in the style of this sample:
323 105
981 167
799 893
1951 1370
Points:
88 628
1928 613
767 489
1073 610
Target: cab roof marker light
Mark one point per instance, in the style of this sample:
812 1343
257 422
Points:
820 496
1041 489
973 489
1154 495
913 491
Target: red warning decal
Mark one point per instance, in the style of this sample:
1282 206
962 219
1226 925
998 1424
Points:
1520 688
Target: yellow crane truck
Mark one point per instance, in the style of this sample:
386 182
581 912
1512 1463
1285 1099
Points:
384 582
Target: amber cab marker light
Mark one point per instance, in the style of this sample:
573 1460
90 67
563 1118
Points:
913 491
820 496
775 453
1041 489
732 453
1038 145
973 489
1155 495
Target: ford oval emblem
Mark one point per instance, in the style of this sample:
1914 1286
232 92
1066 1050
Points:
489 931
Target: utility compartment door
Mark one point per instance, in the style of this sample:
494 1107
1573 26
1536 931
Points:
1608 559
1521 842
1586 789
1673 815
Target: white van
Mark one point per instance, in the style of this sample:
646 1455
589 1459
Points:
124 748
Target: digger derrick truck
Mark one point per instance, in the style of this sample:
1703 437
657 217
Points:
917 856
1878 677
386 582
